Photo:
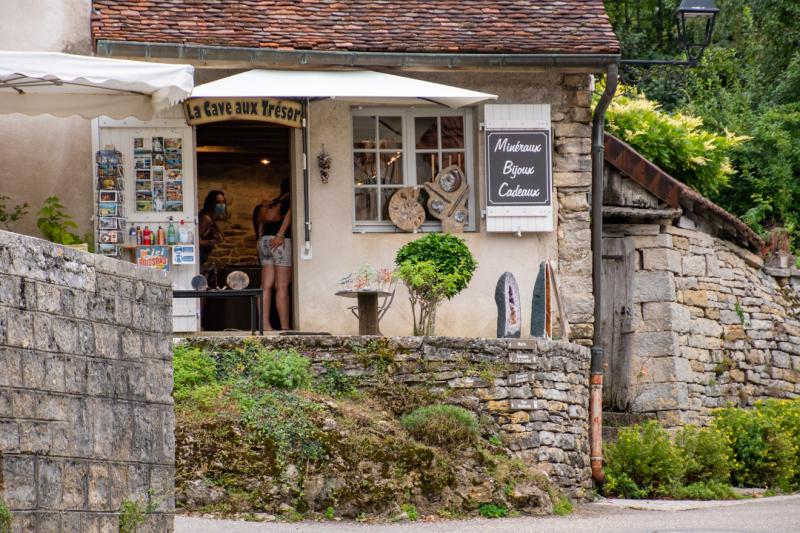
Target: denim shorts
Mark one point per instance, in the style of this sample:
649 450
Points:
281 256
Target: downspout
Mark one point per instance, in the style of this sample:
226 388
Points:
307 223
596 378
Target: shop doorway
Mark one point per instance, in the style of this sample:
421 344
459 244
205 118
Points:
247 161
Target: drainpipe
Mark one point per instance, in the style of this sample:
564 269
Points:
596 379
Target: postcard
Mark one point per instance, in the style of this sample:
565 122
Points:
111 236
108 157
174 206
108 210
158 173
158 144
158 160
108 249
173 163
109 184
108 171
158 204
110 197
172 143
142 162
175 175
144 207
109 223
142 174
144 196
142 144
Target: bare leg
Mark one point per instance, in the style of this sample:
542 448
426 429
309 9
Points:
282 298
267 283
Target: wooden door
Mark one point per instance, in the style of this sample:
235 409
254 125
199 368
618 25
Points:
619 264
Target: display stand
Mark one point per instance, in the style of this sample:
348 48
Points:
110 216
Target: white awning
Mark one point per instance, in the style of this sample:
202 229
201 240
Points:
34 83
360 86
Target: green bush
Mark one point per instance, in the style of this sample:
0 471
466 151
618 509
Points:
708 490
447 426
192 368
490 510
561 505
704 455
619 484
764 443
648 460
284 369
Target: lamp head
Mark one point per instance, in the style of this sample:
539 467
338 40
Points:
695 20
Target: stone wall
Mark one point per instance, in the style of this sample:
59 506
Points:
555 432
712 325
86 413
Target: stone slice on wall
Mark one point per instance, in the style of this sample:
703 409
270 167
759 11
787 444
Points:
539 304
509 310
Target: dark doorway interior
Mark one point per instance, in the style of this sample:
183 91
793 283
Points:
230 158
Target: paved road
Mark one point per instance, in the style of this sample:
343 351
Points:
779 514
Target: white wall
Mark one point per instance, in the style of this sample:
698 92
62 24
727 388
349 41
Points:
46 156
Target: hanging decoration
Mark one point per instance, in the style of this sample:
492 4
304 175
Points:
324 161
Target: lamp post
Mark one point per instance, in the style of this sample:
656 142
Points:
695 20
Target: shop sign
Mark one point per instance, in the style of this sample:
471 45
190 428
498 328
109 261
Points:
183 255
519 170
207 110
153 257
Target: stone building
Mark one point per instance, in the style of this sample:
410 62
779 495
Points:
536 58
697 318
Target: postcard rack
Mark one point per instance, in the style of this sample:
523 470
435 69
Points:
110 216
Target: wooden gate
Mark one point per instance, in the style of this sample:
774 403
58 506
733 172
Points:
619 264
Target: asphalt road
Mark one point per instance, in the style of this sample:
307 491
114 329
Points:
779 514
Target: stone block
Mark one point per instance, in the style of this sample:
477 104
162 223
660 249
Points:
35 437
695 298
655 344
669 369
11 365
576 80
653 287
159 381
661 259
49 483
665 316
99 487
662 240
694 265
19 477
572 163
19 328
572 179
581 99
573 146
572 129
705 327
9 436
662 397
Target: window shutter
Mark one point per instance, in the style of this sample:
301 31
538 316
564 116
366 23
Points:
519 168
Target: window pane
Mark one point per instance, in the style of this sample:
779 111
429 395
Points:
366 204
386 195
452 132
425 132
391 168
453 158
363 132
390 132
427 167
364 169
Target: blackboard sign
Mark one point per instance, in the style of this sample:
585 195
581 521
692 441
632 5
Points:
519 170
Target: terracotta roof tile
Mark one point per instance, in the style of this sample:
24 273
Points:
517 26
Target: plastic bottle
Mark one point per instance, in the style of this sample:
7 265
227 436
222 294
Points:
146 236
183 234
139 238
132 236
171 237
191 236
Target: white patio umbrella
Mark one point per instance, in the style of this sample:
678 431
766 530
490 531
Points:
34 83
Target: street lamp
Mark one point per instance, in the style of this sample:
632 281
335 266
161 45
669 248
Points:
695 20
699 16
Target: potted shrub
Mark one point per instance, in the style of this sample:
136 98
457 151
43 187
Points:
433 268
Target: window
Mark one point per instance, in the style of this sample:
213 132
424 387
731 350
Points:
393 149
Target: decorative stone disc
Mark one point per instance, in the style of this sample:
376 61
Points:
451 180
199 283
405 211
238 280
448 198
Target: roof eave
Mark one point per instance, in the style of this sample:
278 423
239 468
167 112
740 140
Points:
236 57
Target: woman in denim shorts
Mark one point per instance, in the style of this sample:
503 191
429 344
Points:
275 256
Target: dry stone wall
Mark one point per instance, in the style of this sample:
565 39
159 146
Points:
712 325
544 417
86 413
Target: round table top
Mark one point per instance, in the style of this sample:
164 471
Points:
354 294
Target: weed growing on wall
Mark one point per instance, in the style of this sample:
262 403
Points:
442 425
6 518
491 510
133 511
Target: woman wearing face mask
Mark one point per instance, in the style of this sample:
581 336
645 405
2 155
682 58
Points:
209 234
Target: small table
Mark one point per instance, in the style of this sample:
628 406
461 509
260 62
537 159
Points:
256 302
367 309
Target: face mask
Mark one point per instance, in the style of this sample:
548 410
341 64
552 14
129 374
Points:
219 209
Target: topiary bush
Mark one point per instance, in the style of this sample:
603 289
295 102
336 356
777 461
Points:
433 268
446 426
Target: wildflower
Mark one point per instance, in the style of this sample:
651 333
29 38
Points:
644 371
